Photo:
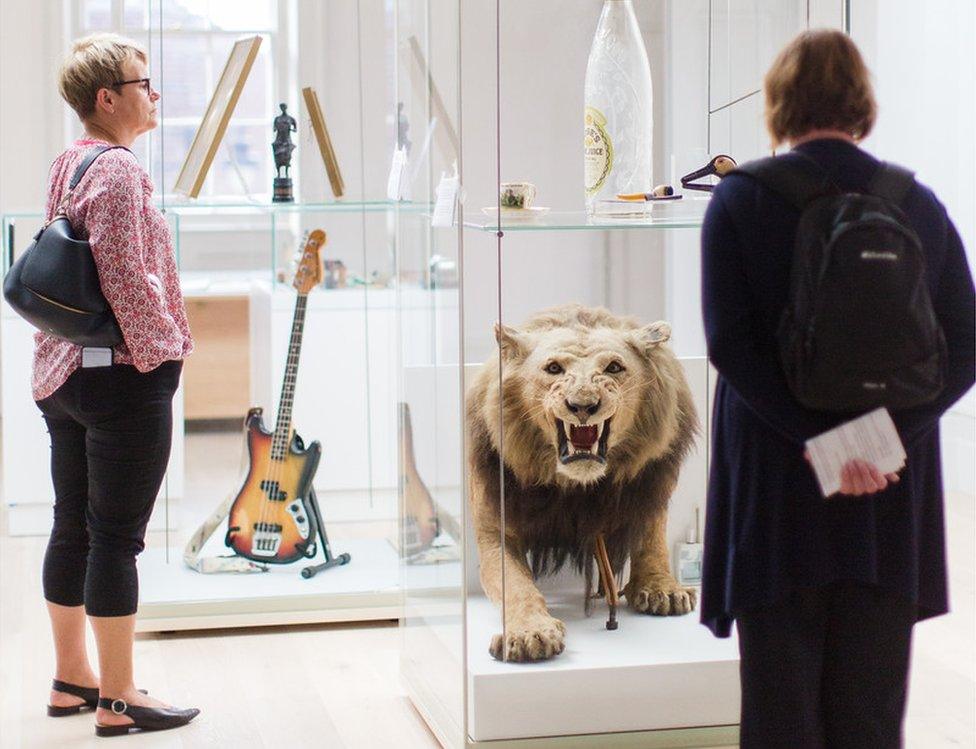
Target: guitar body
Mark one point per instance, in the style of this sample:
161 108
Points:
270 519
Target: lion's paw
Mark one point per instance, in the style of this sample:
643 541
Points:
661 597
535 640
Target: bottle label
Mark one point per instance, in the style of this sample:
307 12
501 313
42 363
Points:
598 150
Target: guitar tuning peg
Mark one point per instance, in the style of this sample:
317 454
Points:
300 250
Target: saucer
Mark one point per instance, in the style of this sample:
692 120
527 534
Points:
517 214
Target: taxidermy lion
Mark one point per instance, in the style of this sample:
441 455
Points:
597 420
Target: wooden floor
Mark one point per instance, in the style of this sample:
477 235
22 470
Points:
338 686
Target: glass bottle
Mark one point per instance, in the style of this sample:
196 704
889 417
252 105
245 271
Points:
618 115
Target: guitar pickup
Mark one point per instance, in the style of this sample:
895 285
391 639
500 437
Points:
273 490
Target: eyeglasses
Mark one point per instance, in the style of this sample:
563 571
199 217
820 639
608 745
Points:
145 82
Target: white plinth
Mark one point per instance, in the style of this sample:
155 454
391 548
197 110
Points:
174 597
652 673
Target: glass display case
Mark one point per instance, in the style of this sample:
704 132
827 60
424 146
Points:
238 253
548 450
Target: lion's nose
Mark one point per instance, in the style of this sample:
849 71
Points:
583 408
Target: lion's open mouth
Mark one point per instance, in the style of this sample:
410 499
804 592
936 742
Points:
583 442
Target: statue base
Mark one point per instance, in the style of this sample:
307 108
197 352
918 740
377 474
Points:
283 190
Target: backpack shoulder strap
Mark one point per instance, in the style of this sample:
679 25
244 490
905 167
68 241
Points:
891 182
87 162
794 176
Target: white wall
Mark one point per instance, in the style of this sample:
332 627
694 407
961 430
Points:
31 113
924 68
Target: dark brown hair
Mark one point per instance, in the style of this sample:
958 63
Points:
819 82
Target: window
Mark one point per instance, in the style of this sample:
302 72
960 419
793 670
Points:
186 60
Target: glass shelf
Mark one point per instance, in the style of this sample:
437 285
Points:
581 221
331 207
325 207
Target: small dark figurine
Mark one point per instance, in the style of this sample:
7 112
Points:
284 125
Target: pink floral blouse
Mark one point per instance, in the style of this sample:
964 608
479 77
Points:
130 241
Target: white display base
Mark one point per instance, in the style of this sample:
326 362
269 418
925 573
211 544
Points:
652 673
174 597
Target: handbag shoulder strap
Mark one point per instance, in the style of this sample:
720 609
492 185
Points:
80 172
88 161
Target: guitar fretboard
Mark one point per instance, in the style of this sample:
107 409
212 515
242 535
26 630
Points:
282 435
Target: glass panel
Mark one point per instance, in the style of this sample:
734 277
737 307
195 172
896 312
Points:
745 36
432 531
241 165
683 216
184 15
176 138
254 101
135 14
233 15
97 15
185 75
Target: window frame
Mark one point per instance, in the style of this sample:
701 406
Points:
281 84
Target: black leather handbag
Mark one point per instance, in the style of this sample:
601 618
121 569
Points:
54 283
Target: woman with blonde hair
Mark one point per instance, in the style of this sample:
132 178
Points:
824 592
109 411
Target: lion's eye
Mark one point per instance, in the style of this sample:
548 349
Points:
554 368
614 367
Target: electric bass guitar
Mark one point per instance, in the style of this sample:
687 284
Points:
273 518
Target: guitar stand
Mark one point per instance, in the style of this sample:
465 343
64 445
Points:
330 561
607 578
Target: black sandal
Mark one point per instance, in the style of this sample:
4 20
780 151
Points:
143 718
88 694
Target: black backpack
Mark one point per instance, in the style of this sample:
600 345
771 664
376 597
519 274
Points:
858 330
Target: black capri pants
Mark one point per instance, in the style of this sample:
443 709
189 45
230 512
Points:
111 429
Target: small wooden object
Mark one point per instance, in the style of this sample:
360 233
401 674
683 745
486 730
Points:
324 141
608 580
421 524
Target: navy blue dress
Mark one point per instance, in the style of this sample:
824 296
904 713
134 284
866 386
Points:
768 530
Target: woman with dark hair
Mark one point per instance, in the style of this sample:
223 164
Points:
824 592
109 413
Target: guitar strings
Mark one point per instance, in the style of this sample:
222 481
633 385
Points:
281 441
271 509
270 515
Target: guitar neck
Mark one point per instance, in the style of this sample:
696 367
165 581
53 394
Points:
282 435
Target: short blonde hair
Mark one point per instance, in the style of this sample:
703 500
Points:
95 62
819 82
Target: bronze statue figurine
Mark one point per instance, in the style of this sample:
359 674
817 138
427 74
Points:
284 125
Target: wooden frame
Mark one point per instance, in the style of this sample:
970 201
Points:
215 119
324 141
